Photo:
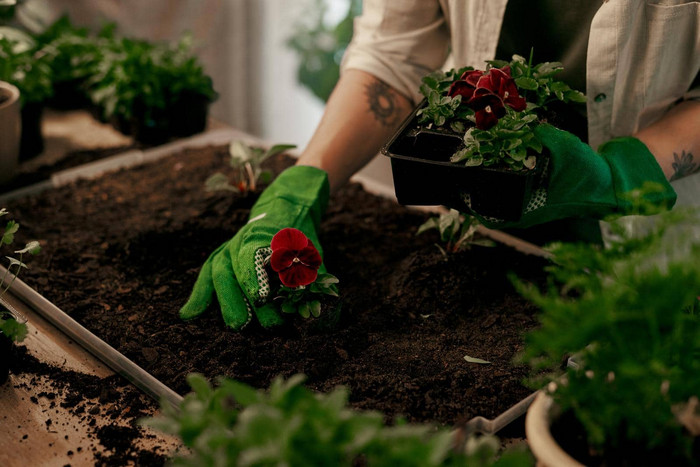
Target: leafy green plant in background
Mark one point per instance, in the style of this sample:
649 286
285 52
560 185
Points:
138 78
246 162
74 55
628 313
320 46
457 231
235 424
25 67
10 324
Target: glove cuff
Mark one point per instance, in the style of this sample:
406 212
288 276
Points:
632 166
302 185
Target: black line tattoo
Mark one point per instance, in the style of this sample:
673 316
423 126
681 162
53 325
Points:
683 165
382 103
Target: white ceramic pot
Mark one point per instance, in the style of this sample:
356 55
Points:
539 437
10 130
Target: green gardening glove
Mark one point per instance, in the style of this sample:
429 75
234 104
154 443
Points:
235 271
579 182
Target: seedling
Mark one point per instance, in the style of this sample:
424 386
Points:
246 162
457 231
12 324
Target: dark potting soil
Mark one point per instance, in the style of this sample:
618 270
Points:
120 255
71 160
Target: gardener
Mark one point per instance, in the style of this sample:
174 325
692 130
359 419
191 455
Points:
637 60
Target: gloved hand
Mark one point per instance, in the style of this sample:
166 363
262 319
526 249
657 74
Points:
235 272
582 183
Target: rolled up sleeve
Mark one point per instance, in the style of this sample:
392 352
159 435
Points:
399 42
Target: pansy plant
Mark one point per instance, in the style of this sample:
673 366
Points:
496 109
296 261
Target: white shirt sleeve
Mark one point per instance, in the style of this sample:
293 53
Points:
399 42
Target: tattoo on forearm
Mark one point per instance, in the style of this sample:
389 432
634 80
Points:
683 165
382 103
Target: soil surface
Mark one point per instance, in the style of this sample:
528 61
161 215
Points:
120 255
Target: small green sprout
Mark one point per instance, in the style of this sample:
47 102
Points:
246 162
12 324
457 231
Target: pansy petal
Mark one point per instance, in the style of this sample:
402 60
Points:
472 77
461 88
310 256
298 275
291 238
516 103
282 258
485 119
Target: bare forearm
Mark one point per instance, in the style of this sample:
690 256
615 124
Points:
675 140
361 115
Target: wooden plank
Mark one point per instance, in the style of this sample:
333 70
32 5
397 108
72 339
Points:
38 429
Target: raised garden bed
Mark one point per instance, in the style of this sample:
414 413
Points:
122 252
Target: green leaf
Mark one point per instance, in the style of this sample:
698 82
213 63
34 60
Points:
16 262
200 385
219 182
326 279
476 360
274 150
432 223
10 230
288 307
547 69
528 84
13 329
240 153
474 161
265 176
315 307
32 247
305 310
530 162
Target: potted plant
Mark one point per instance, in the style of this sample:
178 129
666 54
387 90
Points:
28 69
153 91
10 130
74 56
12 323
629 315
470 143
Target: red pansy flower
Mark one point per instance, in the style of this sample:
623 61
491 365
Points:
488 108
294 258
499 81
465 85
461 88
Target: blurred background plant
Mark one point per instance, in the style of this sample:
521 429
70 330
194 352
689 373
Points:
628 313
320 46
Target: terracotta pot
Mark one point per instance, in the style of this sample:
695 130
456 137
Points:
539 437
10 130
